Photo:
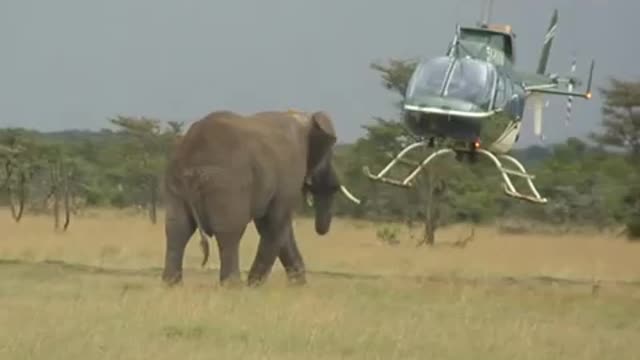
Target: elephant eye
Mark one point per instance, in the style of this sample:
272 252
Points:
322 183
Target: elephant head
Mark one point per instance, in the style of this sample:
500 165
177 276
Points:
322 181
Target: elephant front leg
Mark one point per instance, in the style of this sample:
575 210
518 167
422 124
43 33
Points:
292 261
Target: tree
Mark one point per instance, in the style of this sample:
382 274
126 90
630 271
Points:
621 117
396 75
145 153
385 139
621 122
58 177
632 201
15 176
18 155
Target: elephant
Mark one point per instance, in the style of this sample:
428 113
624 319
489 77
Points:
228 170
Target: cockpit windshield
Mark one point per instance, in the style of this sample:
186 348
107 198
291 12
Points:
472 81
429 77
456 79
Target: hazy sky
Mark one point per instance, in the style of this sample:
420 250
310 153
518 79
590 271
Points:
75 63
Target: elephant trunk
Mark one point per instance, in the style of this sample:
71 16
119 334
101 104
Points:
323 213
323 205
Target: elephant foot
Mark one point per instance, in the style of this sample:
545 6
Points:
172 279
296 278
257 275
231 282
255 281
297 282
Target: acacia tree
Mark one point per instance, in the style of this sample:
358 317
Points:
388 137
29 162
58 183
8 158
17 158
621 123
621 117
62 176
145 153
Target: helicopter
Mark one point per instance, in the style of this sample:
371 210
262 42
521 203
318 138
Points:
473 98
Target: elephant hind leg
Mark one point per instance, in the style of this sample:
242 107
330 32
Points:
179 227
292 261
229 249
227 218
273 235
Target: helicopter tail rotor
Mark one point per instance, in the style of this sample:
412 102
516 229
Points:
571 82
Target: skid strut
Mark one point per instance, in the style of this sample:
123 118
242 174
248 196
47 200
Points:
509 189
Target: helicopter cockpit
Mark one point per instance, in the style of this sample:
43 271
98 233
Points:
454 86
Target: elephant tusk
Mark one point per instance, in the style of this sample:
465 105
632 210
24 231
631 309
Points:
349 195
345 192
309 200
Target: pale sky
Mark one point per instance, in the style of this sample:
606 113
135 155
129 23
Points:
74 63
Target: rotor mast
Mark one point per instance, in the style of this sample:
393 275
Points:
486 12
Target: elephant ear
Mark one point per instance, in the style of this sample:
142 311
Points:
322 137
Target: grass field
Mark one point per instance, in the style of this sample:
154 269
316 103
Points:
95 293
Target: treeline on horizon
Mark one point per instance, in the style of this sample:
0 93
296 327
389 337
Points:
587 185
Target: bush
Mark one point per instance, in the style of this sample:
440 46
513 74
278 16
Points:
388 234
633 228
632 202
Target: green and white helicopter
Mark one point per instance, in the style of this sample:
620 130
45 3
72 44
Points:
473 99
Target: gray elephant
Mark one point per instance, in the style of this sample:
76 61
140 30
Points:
230 169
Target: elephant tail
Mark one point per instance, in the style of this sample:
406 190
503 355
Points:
204 239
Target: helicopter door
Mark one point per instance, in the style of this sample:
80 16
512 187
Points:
507 98
499 100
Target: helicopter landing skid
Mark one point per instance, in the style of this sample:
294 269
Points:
509 189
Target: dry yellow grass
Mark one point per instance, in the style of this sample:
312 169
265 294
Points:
122 239
67 311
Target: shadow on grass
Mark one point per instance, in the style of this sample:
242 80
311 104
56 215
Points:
431 278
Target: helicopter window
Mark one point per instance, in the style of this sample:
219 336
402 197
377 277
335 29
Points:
487 46
472 81
482 36
429 77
